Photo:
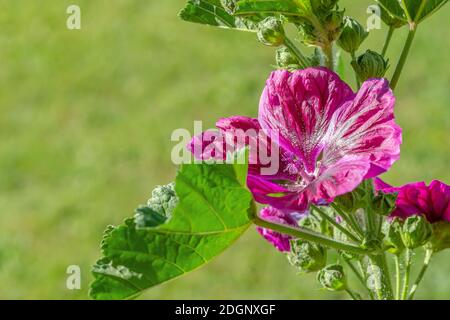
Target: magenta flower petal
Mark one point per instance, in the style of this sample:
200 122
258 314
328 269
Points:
299 106
280 241
328 138
417 198
338 138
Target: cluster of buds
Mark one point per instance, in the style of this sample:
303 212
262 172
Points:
412 233
323 24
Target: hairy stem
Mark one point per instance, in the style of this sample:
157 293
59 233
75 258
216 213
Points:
379 278
335 224
309 235
426 263
304 63
397 277
349 219
406 274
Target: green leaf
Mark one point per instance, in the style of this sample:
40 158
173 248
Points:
212 12
418 10
284 7
214 209
392 13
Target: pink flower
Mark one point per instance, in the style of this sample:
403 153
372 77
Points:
417 198
280 241
329 139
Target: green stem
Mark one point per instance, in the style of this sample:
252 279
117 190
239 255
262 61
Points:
357 274
361 267
406 275
312 236
387 274
349 219
335 224
397 277
358 83
404 56
387 42
304 63
328 52
426 263
379 273
353 295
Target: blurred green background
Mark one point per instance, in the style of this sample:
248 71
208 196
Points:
85 124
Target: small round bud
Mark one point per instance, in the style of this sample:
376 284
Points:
332 278
308 257
271 32
394 236
416 232
352 36
285 59
370 65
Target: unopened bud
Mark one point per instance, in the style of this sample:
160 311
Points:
285 59
271 32
416 232
307 256
394 236
370 65
332 278
352 36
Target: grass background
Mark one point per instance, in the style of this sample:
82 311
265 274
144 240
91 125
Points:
85 124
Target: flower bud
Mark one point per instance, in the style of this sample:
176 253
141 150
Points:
332 278
353 34
271 32
440 239
416 232
394 236
307 256
159 207
285 59
370 65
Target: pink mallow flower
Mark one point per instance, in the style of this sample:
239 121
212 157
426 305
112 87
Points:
329 139
417 198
